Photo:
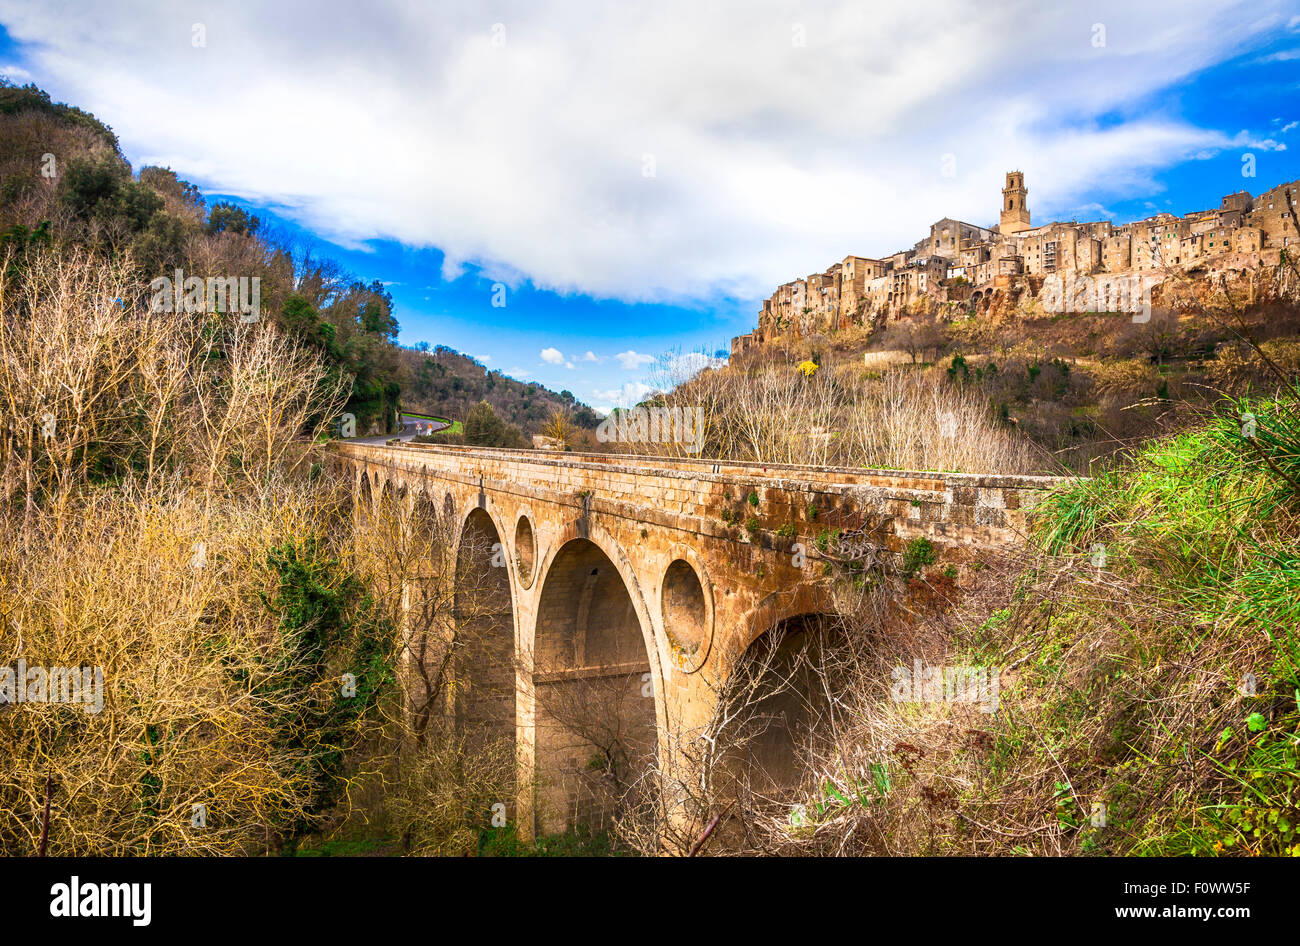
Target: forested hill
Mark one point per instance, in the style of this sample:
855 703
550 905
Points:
67 187
444 382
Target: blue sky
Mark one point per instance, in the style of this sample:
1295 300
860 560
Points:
639 178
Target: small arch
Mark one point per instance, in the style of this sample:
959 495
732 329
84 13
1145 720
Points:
365 496
525 551
686 615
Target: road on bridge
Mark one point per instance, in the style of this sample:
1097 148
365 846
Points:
412 424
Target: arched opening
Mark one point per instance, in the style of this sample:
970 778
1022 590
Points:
596 732
484 645
525 551
780 719
685 614
429 635
365 497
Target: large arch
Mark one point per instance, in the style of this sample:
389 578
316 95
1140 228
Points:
596 732
428 631
781 720
484 652
364 493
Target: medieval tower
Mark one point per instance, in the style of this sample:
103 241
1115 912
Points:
1015 211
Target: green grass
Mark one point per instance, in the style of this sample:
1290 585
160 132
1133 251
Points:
363 847
1202 528
576 842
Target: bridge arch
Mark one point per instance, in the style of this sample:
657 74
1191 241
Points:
781 718
596 681
525 546
686 608
364 492
484 610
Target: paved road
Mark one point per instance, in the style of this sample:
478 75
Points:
408 431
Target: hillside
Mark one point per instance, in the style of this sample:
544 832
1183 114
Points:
444 382
1083 388
1139 651
68 185
1143 662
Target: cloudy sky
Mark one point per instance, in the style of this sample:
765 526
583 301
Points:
638 176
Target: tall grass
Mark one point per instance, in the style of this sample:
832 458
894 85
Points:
905 420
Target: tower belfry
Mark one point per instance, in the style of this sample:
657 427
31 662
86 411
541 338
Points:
1015 208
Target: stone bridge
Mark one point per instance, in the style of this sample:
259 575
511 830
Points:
651 576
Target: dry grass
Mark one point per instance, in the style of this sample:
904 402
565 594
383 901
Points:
907 420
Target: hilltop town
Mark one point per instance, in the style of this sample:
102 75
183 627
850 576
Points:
964 263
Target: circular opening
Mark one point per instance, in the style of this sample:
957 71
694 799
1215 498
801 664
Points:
685 614
525 550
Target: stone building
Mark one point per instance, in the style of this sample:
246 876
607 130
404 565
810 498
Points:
1058 247
855 271
949 237
1015 206
1274 213
1243 231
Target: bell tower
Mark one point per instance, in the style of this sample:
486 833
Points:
1015 209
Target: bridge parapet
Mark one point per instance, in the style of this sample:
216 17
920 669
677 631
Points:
697 495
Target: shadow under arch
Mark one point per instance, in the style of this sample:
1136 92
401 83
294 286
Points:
484 644
365 493
781 717
596 720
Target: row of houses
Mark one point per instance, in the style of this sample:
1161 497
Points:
964 261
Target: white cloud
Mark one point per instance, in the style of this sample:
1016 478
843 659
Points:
1288 126
591 356
1284 55
771 159
1245 139
629 395
683 367
631 360
552 356
16 74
